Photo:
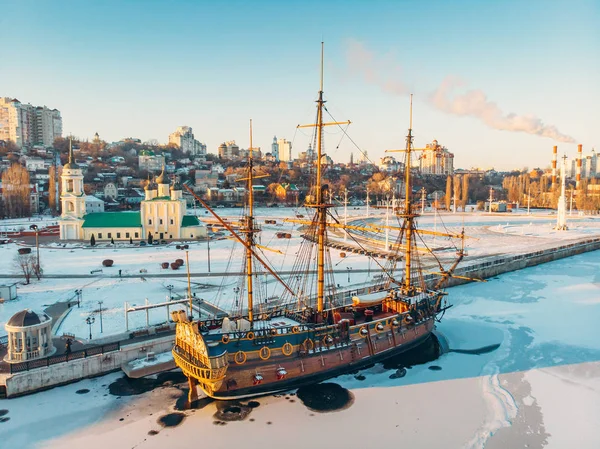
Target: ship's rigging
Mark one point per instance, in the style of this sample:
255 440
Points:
311 332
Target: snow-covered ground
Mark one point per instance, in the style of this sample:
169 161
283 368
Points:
533 382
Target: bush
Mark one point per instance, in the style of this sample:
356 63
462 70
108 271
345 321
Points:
179 262
165 265
174 266
107 263
24 250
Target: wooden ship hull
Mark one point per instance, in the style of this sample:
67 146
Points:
287 354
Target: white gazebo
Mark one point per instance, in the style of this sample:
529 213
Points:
29 336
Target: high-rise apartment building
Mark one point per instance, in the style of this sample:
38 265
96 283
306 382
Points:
285 150
183 137
436 160
229 150
28 125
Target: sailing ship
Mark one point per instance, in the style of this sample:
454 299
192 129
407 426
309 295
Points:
312 333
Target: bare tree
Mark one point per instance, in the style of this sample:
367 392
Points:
15 191
152 143
26 264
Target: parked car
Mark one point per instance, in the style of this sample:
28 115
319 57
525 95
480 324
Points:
142 243
163 242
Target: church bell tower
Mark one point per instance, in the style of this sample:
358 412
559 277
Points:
72 199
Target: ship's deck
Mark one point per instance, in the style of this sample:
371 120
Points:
272 323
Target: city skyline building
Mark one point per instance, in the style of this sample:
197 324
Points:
589 165
436 160
285 150
27 125
183 137
229 150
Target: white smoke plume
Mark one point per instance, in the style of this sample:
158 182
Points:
387 75
474 103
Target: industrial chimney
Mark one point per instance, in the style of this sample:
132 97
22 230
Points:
554 157
578 172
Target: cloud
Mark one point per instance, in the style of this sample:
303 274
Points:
387 75
381 72
474 103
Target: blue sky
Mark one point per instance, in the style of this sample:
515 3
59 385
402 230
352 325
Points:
142 68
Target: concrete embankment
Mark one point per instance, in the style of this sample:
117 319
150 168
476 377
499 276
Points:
42 378
493 266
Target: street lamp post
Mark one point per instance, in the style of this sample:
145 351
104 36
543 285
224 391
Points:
345 214
90 320
208 249
37 245
435 202
570 207
349 270
387 222
100 304
170 288
78 293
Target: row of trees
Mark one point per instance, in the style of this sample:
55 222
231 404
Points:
525 187
538 192
457 190
16 192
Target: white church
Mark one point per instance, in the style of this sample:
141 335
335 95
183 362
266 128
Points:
161 214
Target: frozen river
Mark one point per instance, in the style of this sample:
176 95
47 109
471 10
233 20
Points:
518 367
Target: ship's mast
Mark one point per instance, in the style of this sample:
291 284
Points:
319 199
320 205
408 215
250 230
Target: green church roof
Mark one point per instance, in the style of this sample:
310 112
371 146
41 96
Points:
113 220
189 220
